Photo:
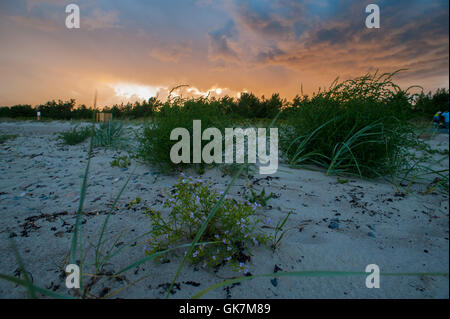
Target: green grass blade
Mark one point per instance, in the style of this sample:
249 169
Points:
73 247
105 223
26 284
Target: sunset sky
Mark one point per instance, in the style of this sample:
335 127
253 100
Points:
134 49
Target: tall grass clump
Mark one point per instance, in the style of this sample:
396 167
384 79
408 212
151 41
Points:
155 143
358 126
109 134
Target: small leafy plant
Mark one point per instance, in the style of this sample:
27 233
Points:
233 228
75 136
121 162
134 202
260 198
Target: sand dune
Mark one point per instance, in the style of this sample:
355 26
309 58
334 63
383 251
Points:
341 227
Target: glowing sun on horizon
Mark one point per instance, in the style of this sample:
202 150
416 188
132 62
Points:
129 90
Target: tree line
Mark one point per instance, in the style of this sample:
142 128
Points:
247 106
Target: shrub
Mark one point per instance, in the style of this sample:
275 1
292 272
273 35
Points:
233 227
248 105
155 143
75 135
272 106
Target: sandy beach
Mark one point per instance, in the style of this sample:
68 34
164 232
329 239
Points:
334 226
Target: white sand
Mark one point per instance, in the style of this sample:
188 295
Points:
40 176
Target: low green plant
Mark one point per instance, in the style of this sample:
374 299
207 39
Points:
135 202
121 162
232 168
279 233
234 226
6 137
75 136
260 198
342 180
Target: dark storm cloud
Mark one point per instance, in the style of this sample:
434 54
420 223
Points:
407 37
219 42
261 17
330 35
270 55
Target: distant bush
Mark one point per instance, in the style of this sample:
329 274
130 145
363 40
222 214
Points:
82 113
429 104
135 110
66 110
17 111
57 110
250 106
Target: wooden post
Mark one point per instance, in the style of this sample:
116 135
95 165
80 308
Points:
104 117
